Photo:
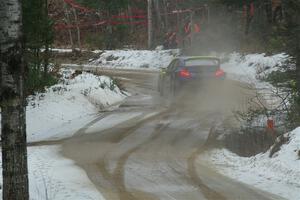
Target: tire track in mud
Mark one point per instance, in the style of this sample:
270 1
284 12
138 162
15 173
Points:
209 193
192 176
80 132
119 173
117 178
95 166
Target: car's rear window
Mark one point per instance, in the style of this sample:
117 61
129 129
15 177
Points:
201 62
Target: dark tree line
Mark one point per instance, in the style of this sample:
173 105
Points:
38 38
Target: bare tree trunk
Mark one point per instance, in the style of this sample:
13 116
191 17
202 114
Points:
297 47
268 7
298 68
166 15
177 15
192 27
46 53
109 33
14 150
69 29
150 25
158 13
130 19
78 29
248 19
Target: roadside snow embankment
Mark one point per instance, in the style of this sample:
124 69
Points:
252 68
52 176
279 175
64 108
60 112
135 59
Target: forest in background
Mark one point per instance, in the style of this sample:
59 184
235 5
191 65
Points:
224 26
199 26
249 25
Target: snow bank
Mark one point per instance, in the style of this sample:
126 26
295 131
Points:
58 113
66 107
279 175
252 68
135 58
53 177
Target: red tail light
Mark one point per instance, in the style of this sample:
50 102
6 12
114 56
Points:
184 73
219 73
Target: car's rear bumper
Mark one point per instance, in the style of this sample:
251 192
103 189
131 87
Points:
194 87
200 81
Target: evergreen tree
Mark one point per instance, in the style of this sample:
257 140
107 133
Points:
38 34
291 33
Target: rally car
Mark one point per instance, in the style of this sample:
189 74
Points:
189 73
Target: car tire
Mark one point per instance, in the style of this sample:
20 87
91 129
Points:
161 87
161 91
175 88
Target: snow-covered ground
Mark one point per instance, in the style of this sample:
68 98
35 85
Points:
58 113
52 176
252 68
247 68
279 175
66 107
135 59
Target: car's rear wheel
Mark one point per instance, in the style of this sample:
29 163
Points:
162 88
175 88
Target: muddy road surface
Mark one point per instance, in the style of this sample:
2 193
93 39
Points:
147 148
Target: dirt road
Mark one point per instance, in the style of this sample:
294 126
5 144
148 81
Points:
147 149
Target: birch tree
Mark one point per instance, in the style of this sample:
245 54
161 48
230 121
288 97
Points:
14 150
